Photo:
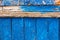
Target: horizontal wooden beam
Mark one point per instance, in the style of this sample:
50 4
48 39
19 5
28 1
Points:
16 12
28 14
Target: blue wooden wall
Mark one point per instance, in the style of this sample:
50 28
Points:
29 28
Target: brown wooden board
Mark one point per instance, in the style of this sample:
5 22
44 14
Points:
28 14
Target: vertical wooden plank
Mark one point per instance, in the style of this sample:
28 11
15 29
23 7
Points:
41 29
17 29
59 30
5 29
29 28
53 29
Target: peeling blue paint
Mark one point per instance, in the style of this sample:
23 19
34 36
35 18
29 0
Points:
26 2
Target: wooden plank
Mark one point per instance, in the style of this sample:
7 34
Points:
30 30
5 29
41 24
14 11
47 29
28 14
46 8
17 29
59 29
12 8
30 2
53 25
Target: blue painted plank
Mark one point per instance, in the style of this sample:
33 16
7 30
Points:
59 30
40 8
17 29
30 33
5 29
41 29
9 2
53 28
26 2
43 2
6 2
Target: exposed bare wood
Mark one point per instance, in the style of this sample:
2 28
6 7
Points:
12 8
28 14
57 2
7 12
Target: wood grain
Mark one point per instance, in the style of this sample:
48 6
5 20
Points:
28 14
7 12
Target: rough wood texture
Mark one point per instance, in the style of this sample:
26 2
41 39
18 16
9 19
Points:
28 14
57 2
11 8
16 12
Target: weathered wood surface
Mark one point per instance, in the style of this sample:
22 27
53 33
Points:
32 8
29 2
16 12
28 14
57 2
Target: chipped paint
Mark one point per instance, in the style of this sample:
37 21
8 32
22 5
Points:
43 9
28 2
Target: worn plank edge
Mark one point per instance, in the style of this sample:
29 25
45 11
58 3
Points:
28 14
